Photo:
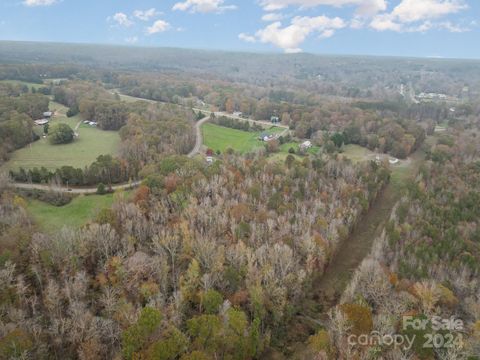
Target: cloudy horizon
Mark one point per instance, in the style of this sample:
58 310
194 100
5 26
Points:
418 28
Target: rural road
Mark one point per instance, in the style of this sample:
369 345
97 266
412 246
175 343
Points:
196 149
78 191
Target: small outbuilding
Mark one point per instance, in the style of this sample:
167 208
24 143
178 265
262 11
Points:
306 145
47 114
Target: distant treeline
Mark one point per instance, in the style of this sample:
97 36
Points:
36 73
344 76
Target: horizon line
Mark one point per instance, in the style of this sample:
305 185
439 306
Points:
307 53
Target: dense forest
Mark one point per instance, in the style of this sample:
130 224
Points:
346 76
426 263
201 263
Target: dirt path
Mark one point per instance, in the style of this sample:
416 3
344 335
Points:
199 137
78 125
327 288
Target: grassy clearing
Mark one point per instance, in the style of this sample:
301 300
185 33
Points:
78 212
357 153
282 156
18 82
80 153
400 172
285 151
132 99
285 148
221 138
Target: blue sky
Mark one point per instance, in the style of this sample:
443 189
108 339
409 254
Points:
423 28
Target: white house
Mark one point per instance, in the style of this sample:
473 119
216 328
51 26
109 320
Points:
306 145
47 114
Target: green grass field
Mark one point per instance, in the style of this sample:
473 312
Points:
91 143
401 172
75 214
296 146
284 152
221 138
357 153
131 99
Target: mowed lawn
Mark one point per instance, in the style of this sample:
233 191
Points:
222 138
78 212
91 143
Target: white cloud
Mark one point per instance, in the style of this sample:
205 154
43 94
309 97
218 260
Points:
403 16
417 10
385 22
357 23
158 27
416 16
39 2
364 7
203 6
145 15
131 40
291 37
423 27
447 25
327 34
122 19
272 17
247 38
